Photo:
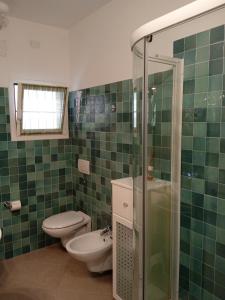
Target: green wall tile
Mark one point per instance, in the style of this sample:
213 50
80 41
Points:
190 57
217 34
215 66
190 42
178 46
202 69
203 38
202 84
213 129
189 72
216 50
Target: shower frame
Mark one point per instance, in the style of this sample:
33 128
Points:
177 67
178 70
185 14
179 16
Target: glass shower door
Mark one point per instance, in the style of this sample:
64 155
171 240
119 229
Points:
161 210
157 134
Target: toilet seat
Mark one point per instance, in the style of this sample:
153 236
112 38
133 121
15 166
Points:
67 225
63 220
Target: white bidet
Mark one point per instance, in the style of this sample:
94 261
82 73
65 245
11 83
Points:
94 248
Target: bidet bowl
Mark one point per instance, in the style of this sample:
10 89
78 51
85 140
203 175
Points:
93 249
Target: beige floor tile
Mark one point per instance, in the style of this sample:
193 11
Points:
76 268
72 295
51 274
26 294
35 274
81 284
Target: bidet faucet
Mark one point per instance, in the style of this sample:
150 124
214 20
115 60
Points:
106 230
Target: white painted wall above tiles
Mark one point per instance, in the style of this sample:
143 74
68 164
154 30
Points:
100 43
33 52
96 51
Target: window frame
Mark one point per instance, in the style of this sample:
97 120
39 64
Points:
17 133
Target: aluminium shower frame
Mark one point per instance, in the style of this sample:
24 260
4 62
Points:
182 15
179 16
178 70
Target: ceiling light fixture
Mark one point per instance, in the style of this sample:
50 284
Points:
3 14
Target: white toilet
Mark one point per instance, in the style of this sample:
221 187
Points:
94 248
67 225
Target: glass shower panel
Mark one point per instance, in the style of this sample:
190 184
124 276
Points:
157 110
138 102
158 195
164 83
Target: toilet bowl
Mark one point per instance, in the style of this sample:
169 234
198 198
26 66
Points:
94 249
67 225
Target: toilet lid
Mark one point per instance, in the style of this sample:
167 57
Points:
63 220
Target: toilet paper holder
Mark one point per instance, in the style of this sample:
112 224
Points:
12 205
7 204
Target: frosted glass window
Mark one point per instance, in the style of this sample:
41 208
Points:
39 109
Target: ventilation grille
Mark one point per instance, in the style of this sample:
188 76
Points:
124 261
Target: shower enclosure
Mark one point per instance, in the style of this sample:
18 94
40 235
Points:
158 83
157 126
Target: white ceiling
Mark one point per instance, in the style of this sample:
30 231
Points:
60 13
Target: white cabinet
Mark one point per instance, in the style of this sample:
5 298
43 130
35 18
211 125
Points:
122 203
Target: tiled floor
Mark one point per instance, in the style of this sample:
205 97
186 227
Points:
51 274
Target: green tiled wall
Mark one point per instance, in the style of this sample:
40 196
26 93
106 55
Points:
44 175
39 174
159 123
202 272
100 129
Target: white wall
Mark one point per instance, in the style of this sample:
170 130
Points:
48 63
96 51
100 44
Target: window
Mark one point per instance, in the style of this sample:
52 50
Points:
40 112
